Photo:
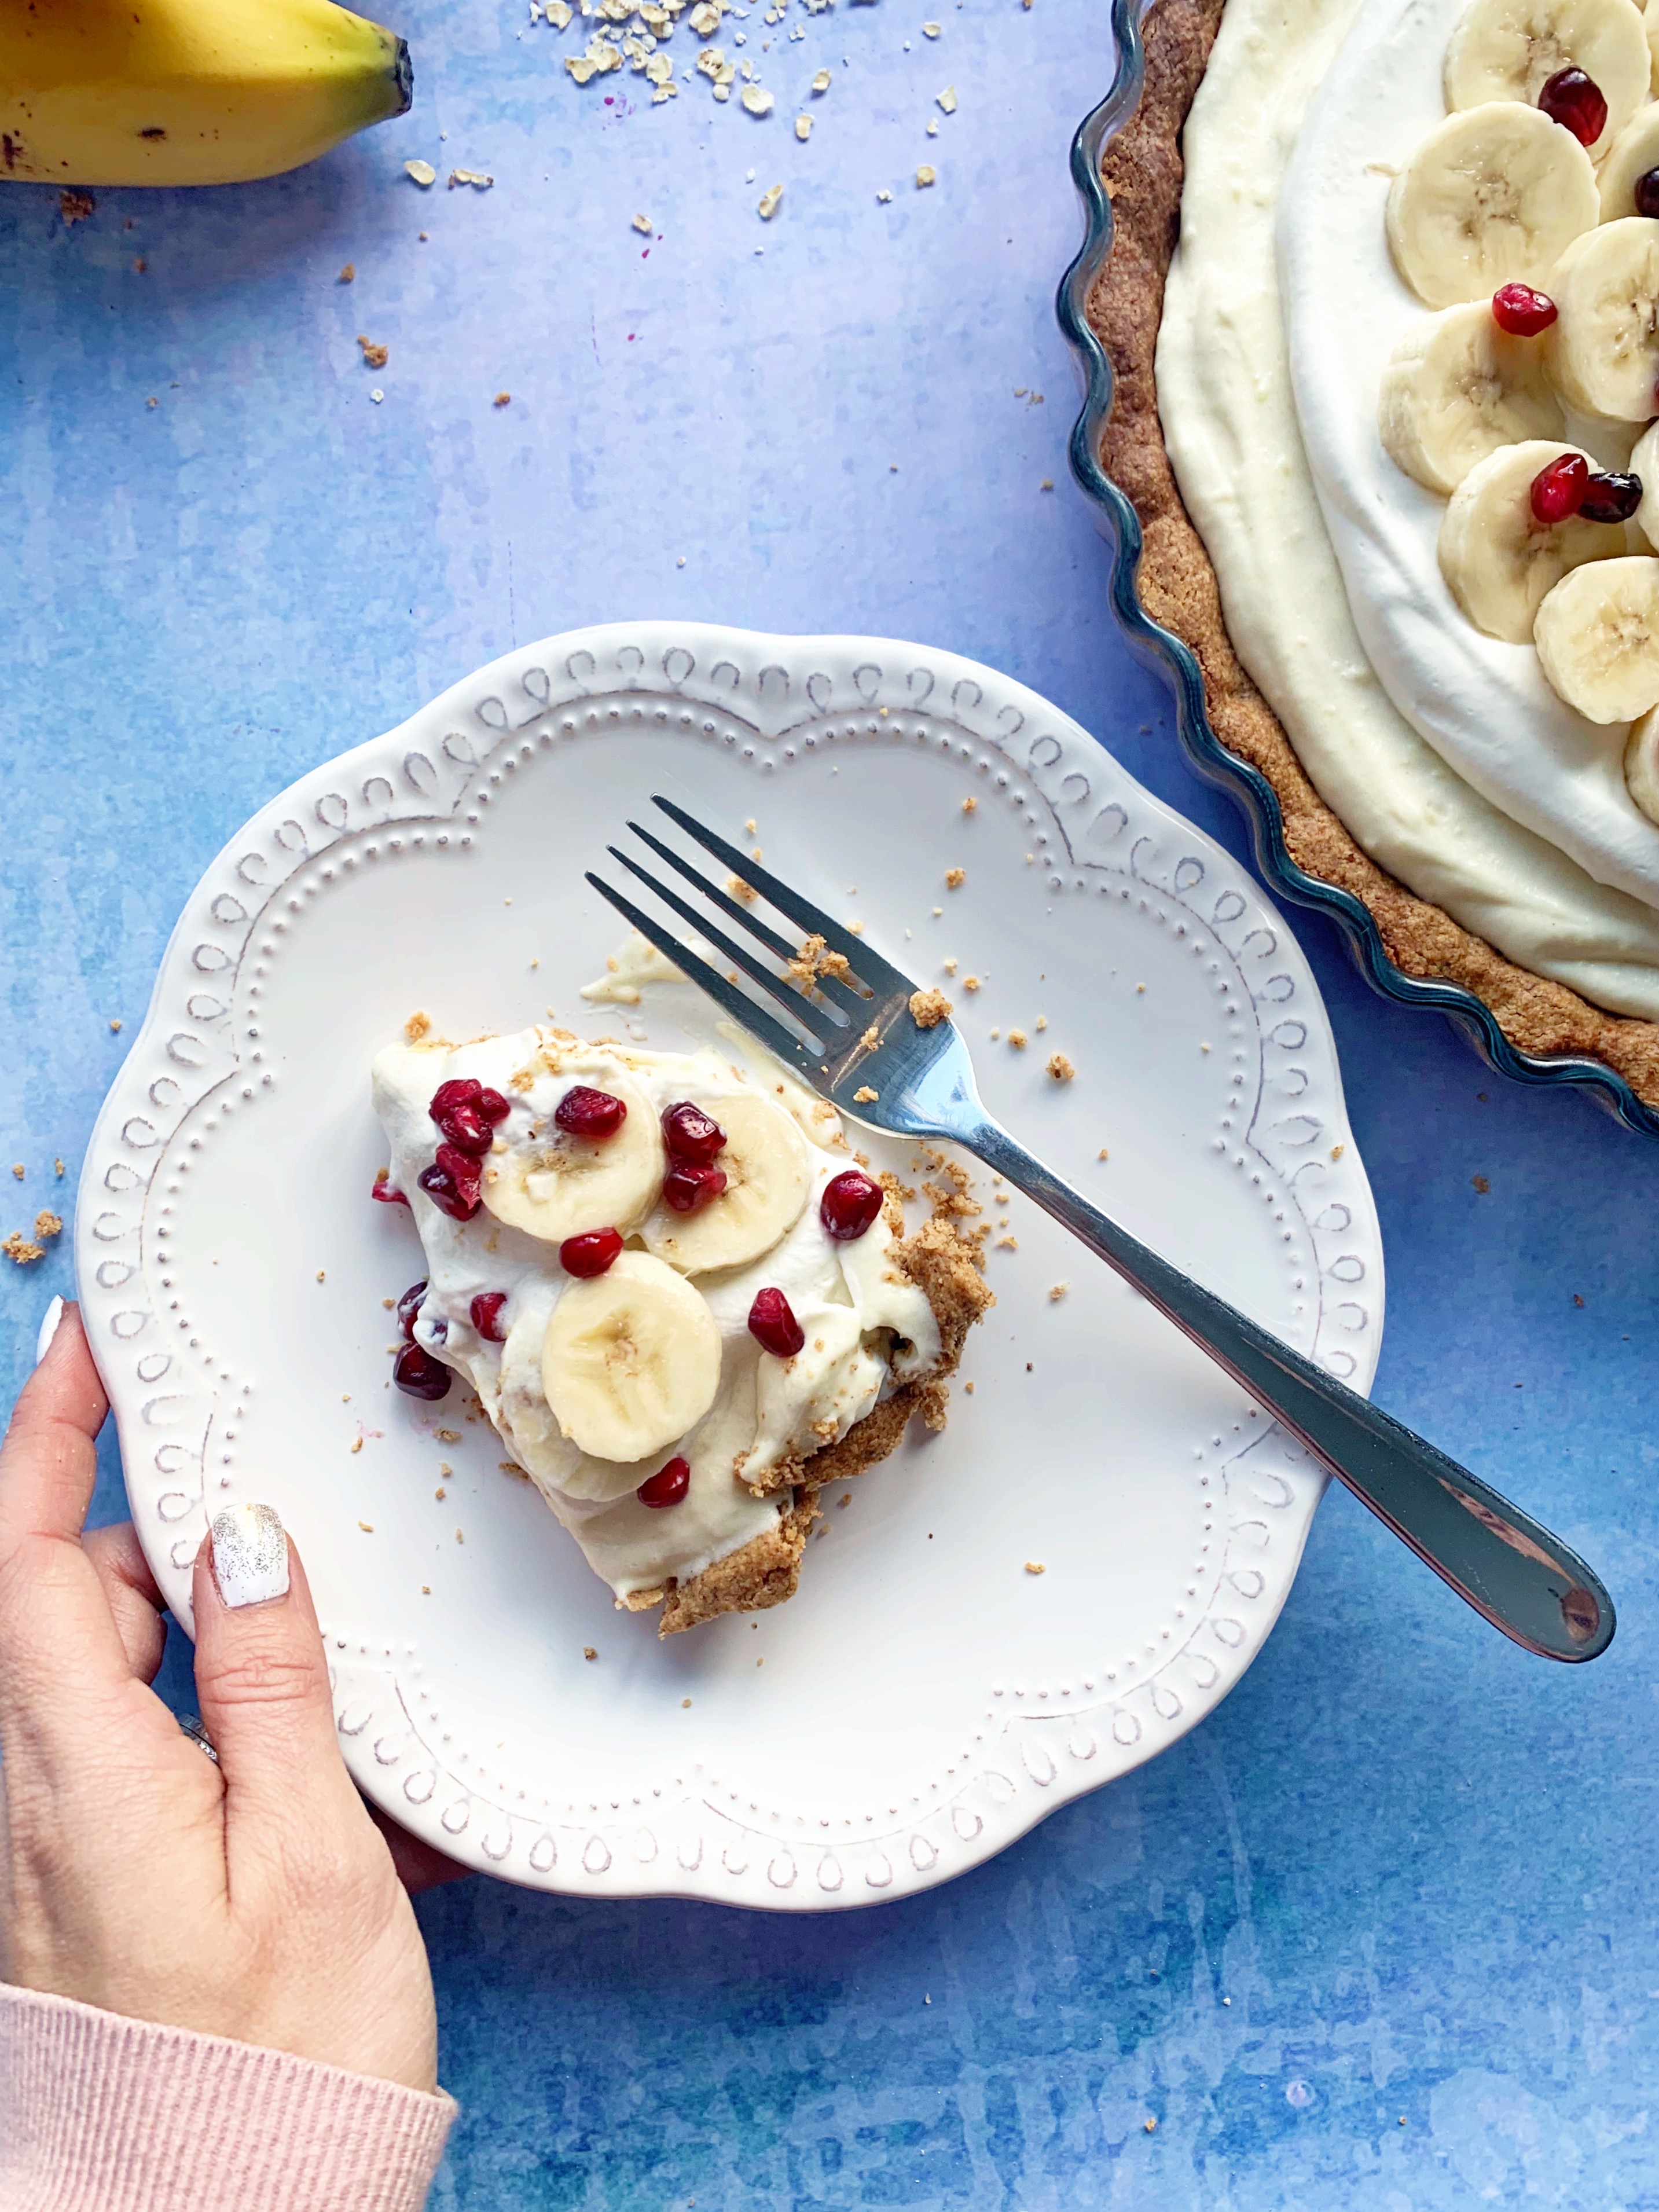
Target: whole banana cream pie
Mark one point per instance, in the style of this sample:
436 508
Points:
1383 308
683 1301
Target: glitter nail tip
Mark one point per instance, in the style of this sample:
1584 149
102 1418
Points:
249 1555
49 1320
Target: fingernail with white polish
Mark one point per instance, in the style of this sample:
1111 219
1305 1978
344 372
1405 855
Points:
249 1555
49 1320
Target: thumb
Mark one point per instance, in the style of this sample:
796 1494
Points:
262 1683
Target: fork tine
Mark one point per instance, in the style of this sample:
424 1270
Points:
780 987
869 966
742 1008
839 993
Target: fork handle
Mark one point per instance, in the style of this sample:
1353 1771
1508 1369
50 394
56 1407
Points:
1523 1579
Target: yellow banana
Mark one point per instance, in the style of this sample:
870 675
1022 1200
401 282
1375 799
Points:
187 92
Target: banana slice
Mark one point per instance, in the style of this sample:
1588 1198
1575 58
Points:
557 1186
1642 764
1602 349
1650 25
1597 634
1498 558
1456 389
766 1179
1644 462
1631 155
1506 50
631 1360
1490 198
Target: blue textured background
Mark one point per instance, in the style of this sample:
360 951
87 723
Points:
1405 1874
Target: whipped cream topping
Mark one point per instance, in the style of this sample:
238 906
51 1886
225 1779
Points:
1485 707
1230 421
867 1326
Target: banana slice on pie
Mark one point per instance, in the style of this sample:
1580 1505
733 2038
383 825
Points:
1603 349
1597 634
1642 764
1493 196
1504 50
554 1184
631 1360
1631 155
767 1175
1456 389
1498 559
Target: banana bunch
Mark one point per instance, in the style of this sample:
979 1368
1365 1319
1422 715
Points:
187 92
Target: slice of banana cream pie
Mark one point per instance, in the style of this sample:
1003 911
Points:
681 1302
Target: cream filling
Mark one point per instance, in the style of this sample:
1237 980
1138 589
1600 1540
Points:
867 1326
1229 415
1486 708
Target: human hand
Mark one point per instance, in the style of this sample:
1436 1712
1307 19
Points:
253 1899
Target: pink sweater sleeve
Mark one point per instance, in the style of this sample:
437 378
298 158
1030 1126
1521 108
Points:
103 2114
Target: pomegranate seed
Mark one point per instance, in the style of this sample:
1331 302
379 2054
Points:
595 1114
452 1184
668 1486
1576 102
386 1191
688 1188
459 1091
1522 312
1611 498
408 1306
1647 192
467 1113
773 1325
590 1253
850 1203
486 1312
1558 492
418 1372
691 1134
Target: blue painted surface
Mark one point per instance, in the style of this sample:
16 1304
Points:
1405 1872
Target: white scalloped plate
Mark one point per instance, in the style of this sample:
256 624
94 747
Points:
924 1700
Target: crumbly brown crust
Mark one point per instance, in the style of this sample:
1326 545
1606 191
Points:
1142 171
948 1268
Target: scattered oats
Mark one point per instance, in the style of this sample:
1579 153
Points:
820 82
388 1303
475 177
367 1528
971 805
1151 2126
115 1029
930 30
926 175
1047 485
749 826
1007 1243
1102 1154
954 879
1019 392
421 171
949 967
759 101
374 357
459 1537
644 225
588 1652
152 403
739 889
18 1249
846 1498
947 99
558 13
870 1038
1480 1182
377 395
1060 1068
440 1494
357 1443
1140 988
426 1589
443 1466
1029 857
1018 1039
17 1169
58 1167
767 206
1337 1150
1057 1291
933 126
684 1703
1042 1021
995 1036
1035 1567
75 207
884 196
970 982
857 928
929 1008
864 1095
504 398
321 1276
447 1435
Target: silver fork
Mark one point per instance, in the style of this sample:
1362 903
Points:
851 1035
